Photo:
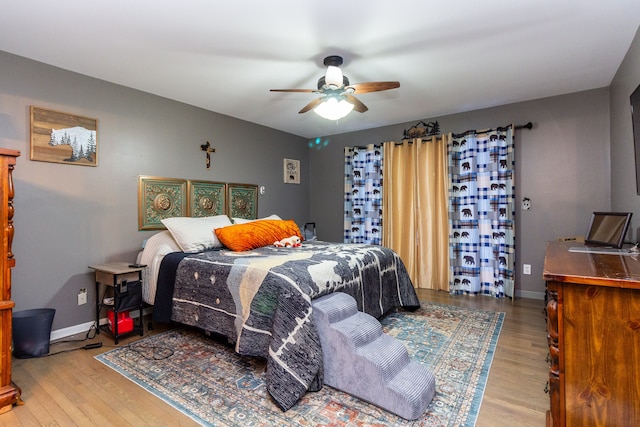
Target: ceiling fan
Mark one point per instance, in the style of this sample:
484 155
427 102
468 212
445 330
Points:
337 98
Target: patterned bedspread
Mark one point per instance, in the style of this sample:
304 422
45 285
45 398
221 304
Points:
261 300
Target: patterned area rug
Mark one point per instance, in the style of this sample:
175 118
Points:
214 386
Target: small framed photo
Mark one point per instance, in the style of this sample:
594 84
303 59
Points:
63 138
291 171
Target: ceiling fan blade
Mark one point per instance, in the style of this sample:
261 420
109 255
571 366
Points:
310 106
294 90
357 104
374 86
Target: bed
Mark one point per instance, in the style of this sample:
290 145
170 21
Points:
259 297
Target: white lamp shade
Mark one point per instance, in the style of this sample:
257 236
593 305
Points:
332 109
333 77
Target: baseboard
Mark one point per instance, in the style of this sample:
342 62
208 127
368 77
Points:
71 330
530 294
84 327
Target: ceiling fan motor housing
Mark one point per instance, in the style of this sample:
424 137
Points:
322 83
334 60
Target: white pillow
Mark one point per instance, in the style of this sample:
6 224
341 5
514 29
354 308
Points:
244 220
196 234
155 249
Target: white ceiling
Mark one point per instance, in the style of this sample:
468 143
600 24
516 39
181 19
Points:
224 56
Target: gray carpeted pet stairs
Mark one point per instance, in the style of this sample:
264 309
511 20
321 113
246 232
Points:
361 360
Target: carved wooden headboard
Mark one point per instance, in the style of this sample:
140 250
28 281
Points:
160 198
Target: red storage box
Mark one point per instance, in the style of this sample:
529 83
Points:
125 323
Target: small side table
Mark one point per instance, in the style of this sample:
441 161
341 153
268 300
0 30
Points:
127 294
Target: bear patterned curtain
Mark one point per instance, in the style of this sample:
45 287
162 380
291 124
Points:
482 212
363 194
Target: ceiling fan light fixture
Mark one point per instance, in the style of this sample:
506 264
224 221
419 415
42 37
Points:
333 108
333 77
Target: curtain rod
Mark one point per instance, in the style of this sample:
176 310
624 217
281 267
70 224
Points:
528 125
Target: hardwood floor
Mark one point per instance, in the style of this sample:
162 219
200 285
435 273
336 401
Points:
73 389
514 395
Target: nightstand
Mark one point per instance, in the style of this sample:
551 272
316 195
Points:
126 284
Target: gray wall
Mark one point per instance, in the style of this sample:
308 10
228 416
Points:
68 217
563 166
623 184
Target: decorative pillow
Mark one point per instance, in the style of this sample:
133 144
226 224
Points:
244 220
255 234
196 234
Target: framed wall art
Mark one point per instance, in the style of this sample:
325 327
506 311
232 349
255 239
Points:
291 171
160 198
63 138
207 198
243 201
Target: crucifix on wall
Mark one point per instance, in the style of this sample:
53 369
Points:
208 149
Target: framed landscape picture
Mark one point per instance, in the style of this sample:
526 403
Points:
63 138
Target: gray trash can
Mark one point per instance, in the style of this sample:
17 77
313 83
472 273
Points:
32 332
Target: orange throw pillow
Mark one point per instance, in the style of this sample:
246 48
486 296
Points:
256 234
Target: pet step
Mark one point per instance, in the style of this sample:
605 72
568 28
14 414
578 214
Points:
338 307
388 354
416 385
359 329
361 360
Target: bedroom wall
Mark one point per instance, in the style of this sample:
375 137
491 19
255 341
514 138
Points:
624 196
563 166
68 217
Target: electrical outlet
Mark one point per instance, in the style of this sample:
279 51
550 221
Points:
526 268
82 296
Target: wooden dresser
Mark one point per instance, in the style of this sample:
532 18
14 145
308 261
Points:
593 329
9 392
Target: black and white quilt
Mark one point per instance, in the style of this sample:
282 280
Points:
261 300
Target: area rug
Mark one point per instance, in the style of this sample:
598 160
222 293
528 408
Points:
214 386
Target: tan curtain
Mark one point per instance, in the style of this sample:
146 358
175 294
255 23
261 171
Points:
415 208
